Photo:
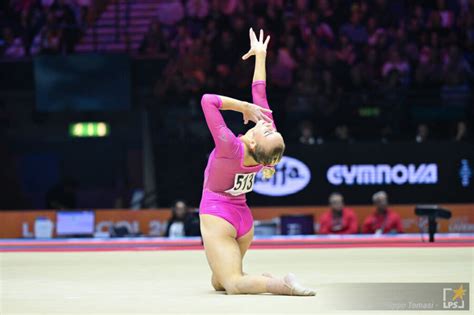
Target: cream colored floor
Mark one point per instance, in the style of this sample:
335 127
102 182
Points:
178 281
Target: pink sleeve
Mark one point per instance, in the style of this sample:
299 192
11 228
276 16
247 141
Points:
227 144
259 96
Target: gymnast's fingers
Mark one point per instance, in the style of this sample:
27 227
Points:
248 54
253 37
266 118
266 41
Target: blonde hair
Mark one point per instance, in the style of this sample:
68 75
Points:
266 157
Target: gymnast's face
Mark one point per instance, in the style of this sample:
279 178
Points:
266 145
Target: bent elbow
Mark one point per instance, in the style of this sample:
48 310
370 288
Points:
210 100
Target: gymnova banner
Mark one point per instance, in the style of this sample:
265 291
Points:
410 173
383 174
291 176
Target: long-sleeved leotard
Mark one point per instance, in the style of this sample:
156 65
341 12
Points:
259 96
225 173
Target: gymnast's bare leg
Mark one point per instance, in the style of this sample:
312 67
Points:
225 259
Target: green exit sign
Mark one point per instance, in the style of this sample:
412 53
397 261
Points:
369 112
89 129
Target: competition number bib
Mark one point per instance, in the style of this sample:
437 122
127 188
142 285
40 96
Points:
243 183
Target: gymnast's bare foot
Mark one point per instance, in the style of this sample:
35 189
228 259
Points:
296 288
287 286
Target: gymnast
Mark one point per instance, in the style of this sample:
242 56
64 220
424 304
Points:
226 220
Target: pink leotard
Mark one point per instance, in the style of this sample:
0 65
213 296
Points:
226 179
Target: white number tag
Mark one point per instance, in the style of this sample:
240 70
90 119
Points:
243 183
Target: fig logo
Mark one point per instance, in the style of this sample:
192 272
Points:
291 176
383 174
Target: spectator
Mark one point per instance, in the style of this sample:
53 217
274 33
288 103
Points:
422 133
183 41
170 12
342 134
183 222
154 43
329 94
307 134
303 98
462 134
84 6
50 36
228 7
456 92
339 219
13 46
346 53
383 220
67 23
282 71
395 62
386 134
32 18
197 8
428 72
355 31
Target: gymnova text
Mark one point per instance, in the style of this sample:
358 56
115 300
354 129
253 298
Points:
383 174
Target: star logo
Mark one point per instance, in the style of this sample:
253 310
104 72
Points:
459 293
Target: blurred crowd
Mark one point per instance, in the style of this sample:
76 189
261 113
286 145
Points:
406 67
30 27
341 70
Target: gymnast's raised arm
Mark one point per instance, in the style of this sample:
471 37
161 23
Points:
258 48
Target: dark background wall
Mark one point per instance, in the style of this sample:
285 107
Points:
36 150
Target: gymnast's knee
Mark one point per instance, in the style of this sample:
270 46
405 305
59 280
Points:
216 284
231 285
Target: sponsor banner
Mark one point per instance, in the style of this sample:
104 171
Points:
291 176
382 174
21 224
409 172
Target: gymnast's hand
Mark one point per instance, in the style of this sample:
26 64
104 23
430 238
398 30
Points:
257 46
255 113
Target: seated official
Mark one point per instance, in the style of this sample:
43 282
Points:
383 220
338 220
183 221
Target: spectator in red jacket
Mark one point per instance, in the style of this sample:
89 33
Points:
383 220
338 220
